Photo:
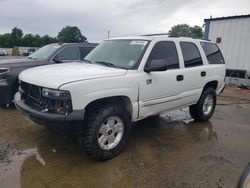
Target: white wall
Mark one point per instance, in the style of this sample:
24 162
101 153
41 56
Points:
235 41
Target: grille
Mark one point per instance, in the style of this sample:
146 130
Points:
32 95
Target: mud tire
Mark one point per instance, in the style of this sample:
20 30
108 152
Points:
94 121
196 110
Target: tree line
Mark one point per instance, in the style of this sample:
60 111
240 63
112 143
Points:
73 34
17 38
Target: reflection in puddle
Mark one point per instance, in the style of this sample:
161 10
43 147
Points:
202 131
10 168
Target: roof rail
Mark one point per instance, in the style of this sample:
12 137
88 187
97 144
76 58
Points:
155 34
206 39
176 36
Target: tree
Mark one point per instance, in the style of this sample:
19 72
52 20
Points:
16 36
27 39
71 34
6 40
184 30
37 41
46 39
197 32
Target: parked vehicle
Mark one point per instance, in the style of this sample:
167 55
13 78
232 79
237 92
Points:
49 54
124 80
3 53
29 52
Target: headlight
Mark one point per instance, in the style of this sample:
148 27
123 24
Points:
3 73
55 94
56 101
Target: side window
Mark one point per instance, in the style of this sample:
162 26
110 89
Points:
213 53
69 53
165 50
191 54
85 51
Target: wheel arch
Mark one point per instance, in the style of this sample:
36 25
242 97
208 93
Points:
213 84
121 99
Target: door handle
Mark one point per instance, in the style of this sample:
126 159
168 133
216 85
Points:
203 73
179 78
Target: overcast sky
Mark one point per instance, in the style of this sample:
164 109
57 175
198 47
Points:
121 17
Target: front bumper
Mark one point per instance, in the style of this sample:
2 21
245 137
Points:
48 119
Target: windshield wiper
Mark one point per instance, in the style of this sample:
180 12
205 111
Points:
105 63
86 60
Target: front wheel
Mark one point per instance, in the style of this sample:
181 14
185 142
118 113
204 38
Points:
106 132
204 108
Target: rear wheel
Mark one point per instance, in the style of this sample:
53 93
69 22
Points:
106 132
204 109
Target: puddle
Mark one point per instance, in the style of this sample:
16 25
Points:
11 166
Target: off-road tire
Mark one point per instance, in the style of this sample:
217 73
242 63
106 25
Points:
93 123
196 110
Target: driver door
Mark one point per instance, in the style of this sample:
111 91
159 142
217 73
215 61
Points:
161 90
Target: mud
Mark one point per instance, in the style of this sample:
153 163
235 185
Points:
166 151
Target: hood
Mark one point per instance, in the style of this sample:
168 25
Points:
53 76
18 62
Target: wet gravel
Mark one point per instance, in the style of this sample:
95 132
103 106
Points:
166 151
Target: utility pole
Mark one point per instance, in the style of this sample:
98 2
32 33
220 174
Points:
108 34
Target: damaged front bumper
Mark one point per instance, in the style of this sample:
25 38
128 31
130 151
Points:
46 118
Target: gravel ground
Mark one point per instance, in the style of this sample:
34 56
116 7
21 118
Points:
168 151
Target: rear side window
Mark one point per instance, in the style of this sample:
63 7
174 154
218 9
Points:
213 53
165 50
191 54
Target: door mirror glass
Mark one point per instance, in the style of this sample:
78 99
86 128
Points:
156 65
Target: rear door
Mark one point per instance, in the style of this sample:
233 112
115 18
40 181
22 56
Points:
194 73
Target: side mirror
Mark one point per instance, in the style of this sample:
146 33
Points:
56 60
156 65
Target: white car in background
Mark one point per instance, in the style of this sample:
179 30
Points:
3 53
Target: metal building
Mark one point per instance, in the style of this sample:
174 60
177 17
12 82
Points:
232 34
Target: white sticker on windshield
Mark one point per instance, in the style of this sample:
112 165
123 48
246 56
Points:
138 42
131 63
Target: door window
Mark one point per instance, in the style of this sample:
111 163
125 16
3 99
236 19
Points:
69 53
166 51
191 54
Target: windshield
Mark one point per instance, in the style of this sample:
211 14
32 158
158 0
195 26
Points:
123 54
44 52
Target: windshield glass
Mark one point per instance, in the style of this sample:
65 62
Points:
44 52
123 54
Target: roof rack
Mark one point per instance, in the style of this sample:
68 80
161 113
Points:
175 36
155 34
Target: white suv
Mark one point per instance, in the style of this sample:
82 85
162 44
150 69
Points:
123 80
